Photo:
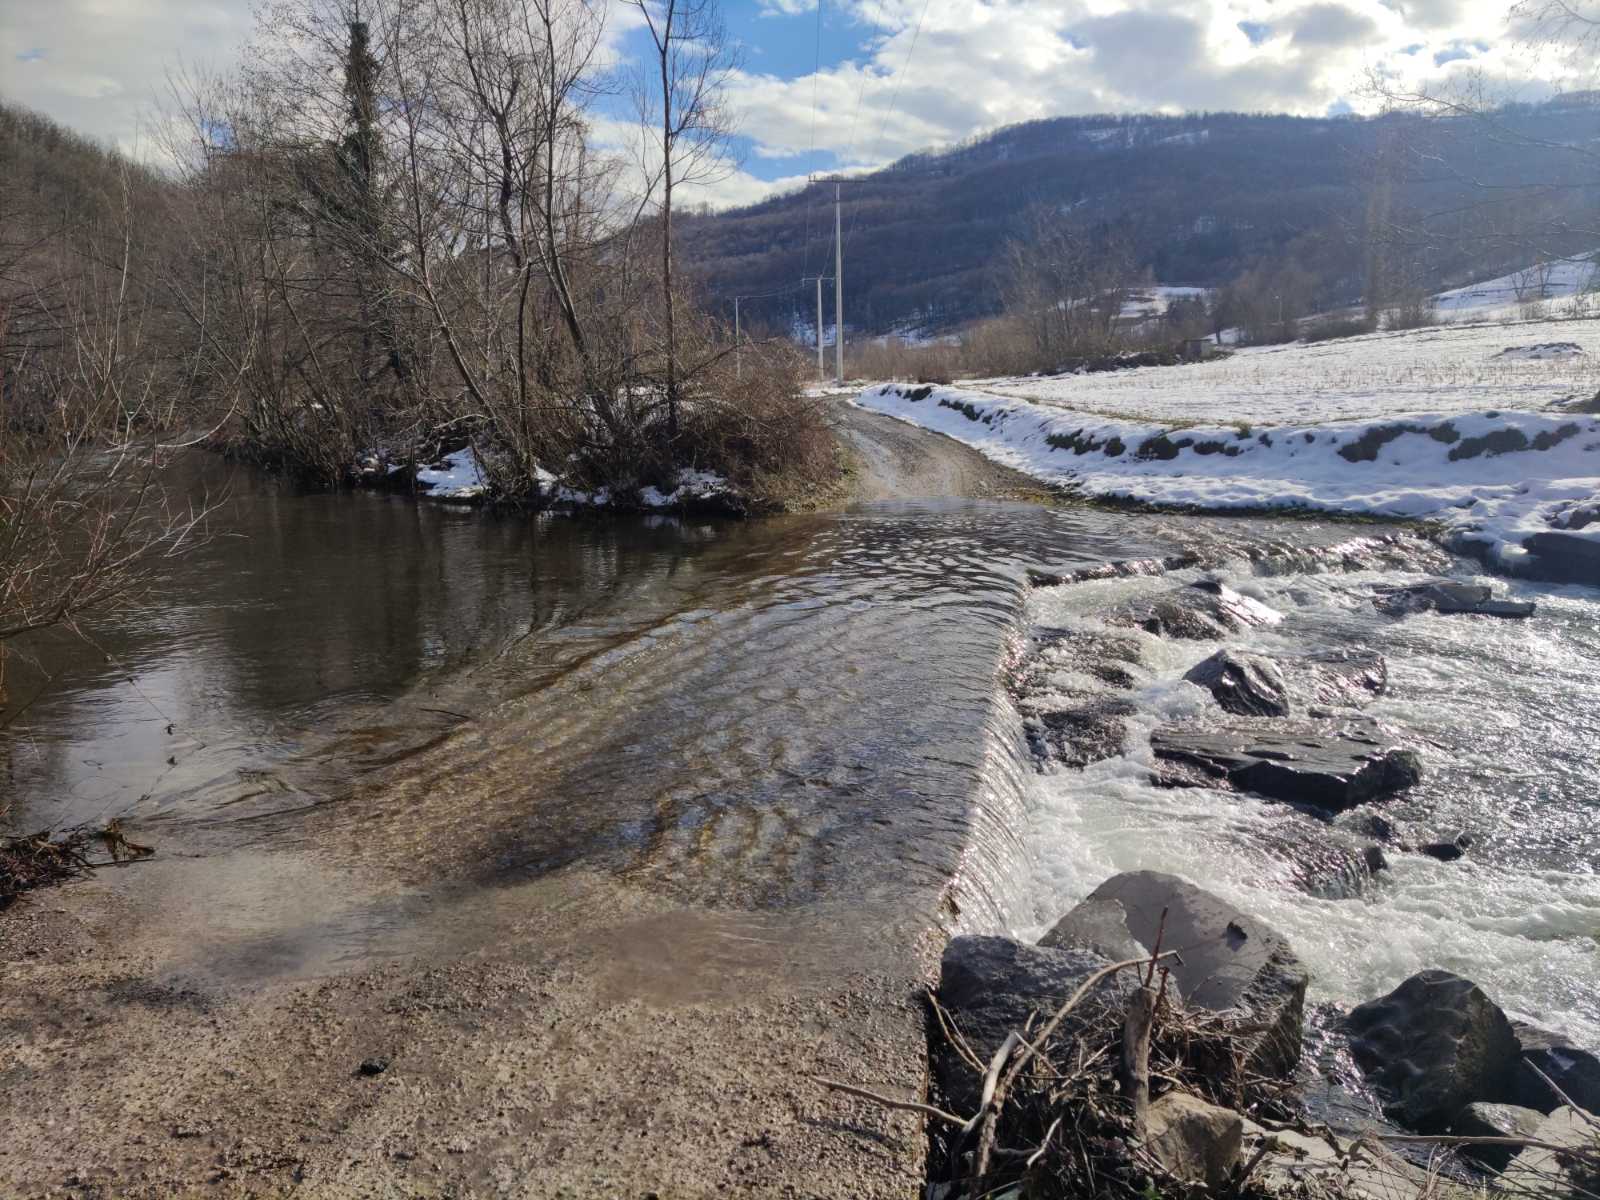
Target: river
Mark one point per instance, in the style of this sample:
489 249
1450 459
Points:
364 733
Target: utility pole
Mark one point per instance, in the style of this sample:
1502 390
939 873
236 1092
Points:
822 370
838 289
838 266
738 357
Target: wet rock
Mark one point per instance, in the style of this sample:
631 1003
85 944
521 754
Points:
1099 925
1448 597
1322 763
1338 678
1377 825
1256 685
376 1065
1564 556
1447 851
1076 737
1572 1068
1065 689
1482 1119
1537 1171
990 986
1248 684
1121 569
1196 1141
1231 962
1319 864
1206 610
1053 653
1387 552
1432 1046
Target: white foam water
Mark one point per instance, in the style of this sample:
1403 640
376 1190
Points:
1503 713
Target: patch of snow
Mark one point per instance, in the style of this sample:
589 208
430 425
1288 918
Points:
1491 477
459 476
691 485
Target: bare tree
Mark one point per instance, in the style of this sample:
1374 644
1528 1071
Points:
685 104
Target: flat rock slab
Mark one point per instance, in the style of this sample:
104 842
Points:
1230 962
1539 1171
1323 763
1572 1068
1448 597
1484 1119
1433 1046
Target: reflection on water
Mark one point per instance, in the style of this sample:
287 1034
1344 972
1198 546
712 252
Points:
757 713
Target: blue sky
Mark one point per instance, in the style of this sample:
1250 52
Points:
974 65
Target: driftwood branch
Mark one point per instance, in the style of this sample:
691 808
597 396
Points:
1136 1055
927 1110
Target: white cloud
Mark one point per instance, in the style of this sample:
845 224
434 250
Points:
97 65
974 64
978 64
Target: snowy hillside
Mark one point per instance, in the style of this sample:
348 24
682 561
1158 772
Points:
1563 287
1433 424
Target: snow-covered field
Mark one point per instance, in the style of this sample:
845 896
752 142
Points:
1433 424
1447 368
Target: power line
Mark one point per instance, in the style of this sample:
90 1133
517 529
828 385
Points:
905 69
894 100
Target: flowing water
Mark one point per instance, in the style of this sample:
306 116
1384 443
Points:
796 711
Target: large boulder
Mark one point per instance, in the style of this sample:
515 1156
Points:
1571 557
1572 1068
1230 962
1196 1141
1483 1119
991 985
1321 763
1433 1046
1099 925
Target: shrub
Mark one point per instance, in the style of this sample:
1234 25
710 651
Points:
1329 328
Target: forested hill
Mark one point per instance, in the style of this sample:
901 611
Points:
1206 196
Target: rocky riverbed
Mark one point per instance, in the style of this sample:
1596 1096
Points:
1284 723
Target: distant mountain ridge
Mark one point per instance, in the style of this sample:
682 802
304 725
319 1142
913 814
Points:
1208 195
